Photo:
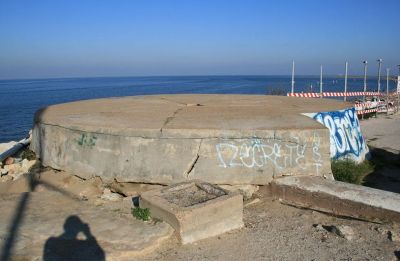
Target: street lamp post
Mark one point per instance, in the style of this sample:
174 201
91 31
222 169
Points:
345 82
387 90
379 74
293 77
365 86
320 84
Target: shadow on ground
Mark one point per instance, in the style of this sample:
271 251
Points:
386 174
68 246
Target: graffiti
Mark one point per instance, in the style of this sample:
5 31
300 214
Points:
87 141
346 139
260 153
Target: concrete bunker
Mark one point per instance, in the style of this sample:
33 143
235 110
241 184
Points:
165 139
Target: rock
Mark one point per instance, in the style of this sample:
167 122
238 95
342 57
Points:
9 161
6 146
246 190
394 235
27 164
343 231
108 195
63 181
381 230
5 178
319 227
129 189
18 169
3 172
254 201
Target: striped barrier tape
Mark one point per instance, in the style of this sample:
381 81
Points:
368 105
332 94
366 111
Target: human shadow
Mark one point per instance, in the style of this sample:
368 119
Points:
68 246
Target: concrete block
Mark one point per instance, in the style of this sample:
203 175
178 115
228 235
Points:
195 209
338 198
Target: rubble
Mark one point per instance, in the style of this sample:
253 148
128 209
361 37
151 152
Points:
343 231
246 190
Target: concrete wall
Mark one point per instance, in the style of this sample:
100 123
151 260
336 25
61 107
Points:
346 139
245 160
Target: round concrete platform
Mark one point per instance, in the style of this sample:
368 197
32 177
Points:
225 139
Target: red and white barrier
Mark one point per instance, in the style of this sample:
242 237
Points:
332 94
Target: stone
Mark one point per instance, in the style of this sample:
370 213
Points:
6 178
17 169
3 172
394 235
343 231
70 184
9 161
195 209
108 195
246 190
319 228
254 201
338 198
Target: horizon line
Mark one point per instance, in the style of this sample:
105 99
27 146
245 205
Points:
341 75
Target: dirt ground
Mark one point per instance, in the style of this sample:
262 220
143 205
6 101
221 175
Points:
274 231
278 232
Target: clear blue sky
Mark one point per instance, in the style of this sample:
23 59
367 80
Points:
41 39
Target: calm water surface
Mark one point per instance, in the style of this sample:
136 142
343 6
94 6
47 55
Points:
19 99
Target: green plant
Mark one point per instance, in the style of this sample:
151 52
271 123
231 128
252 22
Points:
141 213
351 172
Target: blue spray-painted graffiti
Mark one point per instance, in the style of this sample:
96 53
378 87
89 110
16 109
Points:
345 134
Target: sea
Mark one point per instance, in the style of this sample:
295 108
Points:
20 99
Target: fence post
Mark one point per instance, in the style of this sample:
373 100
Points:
320 84
293 77
365 87
345 83
387 90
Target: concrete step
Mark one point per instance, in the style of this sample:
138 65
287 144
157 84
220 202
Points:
338 198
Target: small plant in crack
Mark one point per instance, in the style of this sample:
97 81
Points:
141 213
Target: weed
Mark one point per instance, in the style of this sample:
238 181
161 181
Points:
351 172
141 213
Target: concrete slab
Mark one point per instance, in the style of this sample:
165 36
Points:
196 210
53 226
338 198
222 139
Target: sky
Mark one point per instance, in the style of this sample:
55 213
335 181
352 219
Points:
47 39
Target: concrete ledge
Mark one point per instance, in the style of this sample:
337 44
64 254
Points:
338 198
196 210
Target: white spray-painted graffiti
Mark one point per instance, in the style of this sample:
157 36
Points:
346 139
260 153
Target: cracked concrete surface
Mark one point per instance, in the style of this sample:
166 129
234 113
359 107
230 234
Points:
222 139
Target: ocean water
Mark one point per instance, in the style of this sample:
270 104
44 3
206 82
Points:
19 99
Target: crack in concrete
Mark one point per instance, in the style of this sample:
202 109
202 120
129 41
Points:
170 118
194 161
